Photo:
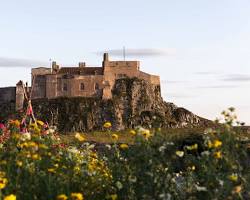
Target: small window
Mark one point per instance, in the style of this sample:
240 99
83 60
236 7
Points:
82 86
96 86
122 75
65 87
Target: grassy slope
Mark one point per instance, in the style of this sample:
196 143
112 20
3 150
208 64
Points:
125 137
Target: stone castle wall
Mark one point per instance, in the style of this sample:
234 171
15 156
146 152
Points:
78 85
79 81
155 80
8 94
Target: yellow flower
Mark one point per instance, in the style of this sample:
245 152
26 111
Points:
23 145
35 157
43 146
107 125
3 182
19 163
233 177
113 196
33 125
25 136
114 136
32 144
218 154
10 197
2 174
51 170
123 146
15 123
217 143
76 196
3 162
146 133
210 144
179 153
41 123
192 147
79 137
49 154
132 132
16 136
61 197
77 169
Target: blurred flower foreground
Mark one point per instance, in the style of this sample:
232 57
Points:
36 164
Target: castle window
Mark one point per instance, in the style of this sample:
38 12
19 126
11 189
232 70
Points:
82 86
122 75
96 86
65 87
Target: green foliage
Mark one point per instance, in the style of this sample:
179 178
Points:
214 165
136 164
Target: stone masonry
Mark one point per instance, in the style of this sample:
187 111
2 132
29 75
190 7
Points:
85 81
82 81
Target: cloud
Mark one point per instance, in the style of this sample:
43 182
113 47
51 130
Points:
237 78
16 62
216 87
207 73
147 52
178 95
176 82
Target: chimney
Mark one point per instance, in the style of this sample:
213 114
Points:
105 57
82 64
53 64
55 67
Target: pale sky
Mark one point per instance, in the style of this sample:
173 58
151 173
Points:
199 48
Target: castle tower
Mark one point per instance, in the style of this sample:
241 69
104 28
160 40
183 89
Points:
105 59
82 65
19 95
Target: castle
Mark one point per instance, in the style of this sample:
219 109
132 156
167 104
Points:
81 81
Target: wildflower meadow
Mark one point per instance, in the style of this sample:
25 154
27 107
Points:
36 163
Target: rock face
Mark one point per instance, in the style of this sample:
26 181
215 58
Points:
135 102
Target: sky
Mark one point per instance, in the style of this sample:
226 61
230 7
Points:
200 49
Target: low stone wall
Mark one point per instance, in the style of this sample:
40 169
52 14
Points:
153 79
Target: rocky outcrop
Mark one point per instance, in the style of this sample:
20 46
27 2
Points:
135 102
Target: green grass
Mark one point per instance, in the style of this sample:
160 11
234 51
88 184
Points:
124 136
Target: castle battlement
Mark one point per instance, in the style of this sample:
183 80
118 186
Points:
80 81
85 81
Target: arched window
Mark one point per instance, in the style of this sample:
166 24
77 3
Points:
96 86
65 87
82 86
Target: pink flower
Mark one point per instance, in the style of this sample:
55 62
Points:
2 126
29 110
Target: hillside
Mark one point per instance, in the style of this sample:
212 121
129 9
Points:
134 103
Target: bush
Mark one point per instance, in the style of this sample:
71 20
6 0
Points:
210 165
